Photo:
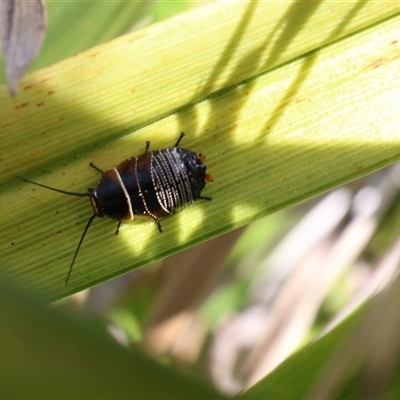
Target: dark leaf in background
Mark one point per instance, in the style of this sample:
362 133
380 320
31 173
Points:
23 26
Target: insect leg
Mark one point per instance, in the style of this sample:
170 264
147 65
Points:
179 139
157 221
205 198
118 226
147 146
96 168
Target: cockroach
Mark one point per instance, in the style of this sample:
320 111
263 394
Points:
155 184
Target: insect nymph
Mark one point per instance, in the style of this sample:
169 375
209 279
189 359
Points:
155 184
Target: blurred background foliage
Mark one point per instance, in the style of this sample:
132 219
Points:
233 308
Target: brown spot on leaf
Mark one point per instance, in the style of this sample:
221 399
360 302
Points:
21 105
377 63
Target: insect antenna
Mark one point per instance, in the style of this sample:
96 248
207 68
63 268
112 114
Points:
79 246
54 189
87 194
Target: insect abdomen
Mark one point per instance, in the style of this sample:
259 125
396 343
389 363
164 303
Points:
161 182
178 177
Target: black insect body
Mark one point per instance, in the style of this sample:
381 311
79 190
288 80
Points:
155 184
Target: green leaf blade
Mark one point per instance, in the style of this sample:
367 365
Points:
271 139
